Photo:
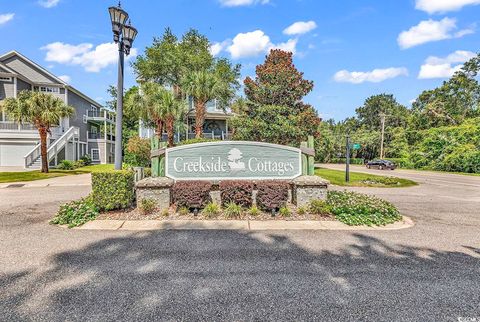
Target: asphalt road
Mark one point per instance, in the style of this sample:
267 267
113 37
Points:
430 272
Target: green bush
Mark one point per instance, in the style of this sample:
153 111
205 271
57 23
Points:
78 164
233 210
147 206
76 213
194 141
113 190
356 209
238 192
87 159
319 207
211 210
301 211
254 211
465 158
284 212
147 172
66 165
183 211
137 152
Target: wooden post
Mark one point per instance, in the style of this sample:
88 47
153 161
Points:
155 160
304 159
311 158
161 165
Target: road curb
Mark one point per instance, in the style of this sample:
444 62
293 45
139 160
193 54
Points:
251 225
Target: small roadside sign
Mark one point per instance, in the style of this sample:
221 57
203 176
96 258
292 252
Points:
356 146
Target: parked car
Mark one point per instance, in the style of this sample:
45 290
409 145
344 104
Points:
381 164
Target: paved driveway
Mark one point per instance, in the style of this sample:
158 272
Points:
430 272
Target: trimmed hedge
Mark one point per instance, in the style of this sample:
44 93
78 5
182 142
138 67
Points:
272 195
237 192
113 190
191 194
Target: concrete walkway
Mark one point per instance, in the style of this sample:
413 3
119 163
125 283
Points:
65 181
234 225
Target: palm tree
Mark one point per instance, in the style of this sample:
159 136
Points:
40 109
173 109
146 104
202 86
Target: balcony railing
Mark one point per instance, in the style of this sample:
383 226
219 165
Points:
104 115
100 136
14 126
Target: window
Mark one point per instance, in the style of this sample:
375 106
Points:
95 155
5 79
47 89
85 119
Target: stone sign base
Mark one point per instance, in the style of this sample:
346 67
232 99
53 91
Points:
307 188
303 190
157 188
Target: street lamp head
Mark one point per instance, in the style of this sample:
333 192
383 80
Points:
129 34
118 17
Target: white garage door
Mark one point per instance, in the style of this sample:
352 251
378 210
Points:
11 154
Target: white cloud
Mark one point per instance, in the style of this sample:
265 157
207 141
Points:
238 3
430 30
441 6
300 27
65 78
85 55
217 47
64 53
249 44
374 76
290 45
48 3
436 67
6 17
253 43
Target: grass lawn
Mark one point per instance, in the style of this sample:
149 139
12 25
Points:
337 177
37 175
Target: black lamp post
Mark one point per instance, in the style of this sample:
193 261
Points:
123 34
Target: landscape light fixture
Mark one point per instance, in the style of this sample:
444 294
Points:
123 34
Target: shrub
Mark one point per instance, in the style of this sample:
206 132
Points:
76 213
113 190
319 207
87 159
183 211
301 211
285 212
355 209
272 195
147 206
147 172
238 192
211 210
196 140
78 164
191 194
165 213
254 211
137 152
386 181
66 165
233 210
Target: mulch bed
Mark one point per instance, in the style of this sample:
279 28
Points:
135 214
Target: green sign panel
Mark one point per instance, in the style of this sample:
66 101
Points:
232 160
356 146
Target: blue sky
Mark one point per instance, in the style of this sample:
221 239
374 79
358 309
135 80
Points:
351 49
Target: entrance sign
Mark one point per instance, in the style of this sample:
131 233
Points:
232 160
